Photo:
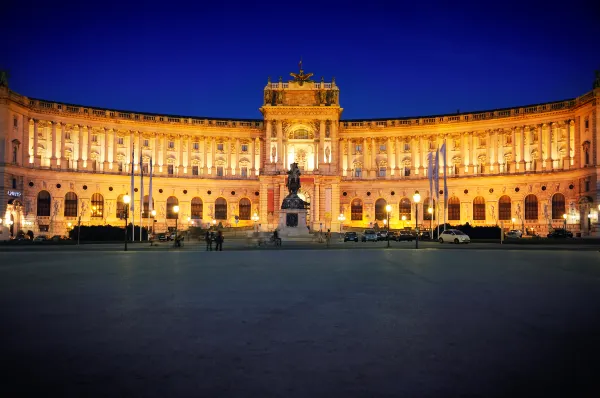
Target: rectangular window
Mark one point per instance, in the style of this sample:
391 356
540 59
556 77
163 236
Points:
194 170
244 147
382 172
219 171
170 169
406 146
120 167
15 122
482 142
407 172
358 148
357 172
94 137
196 146
587 186
431 145
244 171
219 147
146 143
382 147
587 124
67 135
171 144
145 167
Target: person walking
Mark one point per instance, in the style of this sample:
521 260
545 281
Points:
208 239
219 240
328 237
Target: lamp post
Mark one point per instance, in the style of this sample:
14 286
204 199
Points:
341 219
153 218
417 199
403 222
565 223
430 211
176 211
255 218
388 209
589 222
126 201
513 223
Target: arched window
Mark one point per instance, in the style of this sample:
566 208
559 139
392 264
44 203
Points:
43 204
221 209
531 207
479 208
97 205
120 207
380 209
504 208
172 201
404 209
197 208
245 209
301 134
70 204
146 212
427 203
356 210
558 206
454 209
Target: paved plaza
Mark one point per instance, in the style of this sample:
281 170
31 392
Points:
300 323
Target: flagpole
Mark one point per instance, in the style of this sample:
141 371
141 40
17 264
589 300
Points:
445 186
150 204
141 196
132 206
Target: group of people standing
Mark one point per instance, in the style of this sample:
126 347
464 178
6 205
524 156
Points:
209 237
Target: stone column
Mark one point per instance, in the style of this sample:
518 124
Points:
63 160
36 161
180 157
252 154
388 150
549 146
321 152
268 139
414 154
189 155
280 143
205 156
472 152
316 218
348 157
374 168
213 145
540 158
569 159
53 146
513 167
80 148
340 157
419 153
236 157
165 148
106 141
335 155
522 149
115 166
366 163
88 162
399 147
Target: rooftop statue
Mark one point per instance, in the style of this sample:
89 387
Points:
3 78
597 80
301 77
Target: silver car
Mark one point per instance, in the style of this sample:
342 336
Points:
369 235
454 236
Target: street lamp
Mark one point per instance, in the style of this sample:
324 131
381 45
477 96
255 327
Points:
126 201
153 218
417 199
430 211
403 221
388 209
513 223
255 218
341 219
565 218
176 211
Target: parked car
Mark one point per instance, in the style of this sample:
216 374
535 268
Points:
514 234
369 236
405 236
454 236
392 235
40 238
351 236
425 235
560 233
382 235
162 238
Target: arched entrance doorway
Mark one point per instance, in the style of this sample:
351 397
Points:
305 196
14 212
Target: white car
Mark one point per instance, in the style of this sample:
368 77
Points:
514 233
454 236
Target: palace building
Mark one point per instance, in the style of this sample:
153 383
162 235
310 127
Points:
532 167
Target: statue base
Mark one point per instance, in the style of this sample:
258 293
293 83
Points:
292 223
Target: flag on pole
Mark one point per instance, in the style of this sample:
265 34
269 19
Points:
132 196
141 195
443 151
150 205
430 175
436 174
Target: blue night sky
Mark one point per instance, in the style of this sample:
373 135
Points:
389 60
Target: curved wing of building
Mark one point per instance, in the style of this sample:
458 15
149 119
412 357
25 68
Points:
531 167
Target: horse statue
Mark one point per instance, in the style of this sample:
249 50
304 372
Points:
293 181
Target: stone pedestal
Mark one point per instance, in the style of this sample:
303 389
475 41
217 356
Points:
292 222
53 162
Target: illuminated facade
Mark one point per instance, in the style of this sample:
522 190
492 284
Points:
533 164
